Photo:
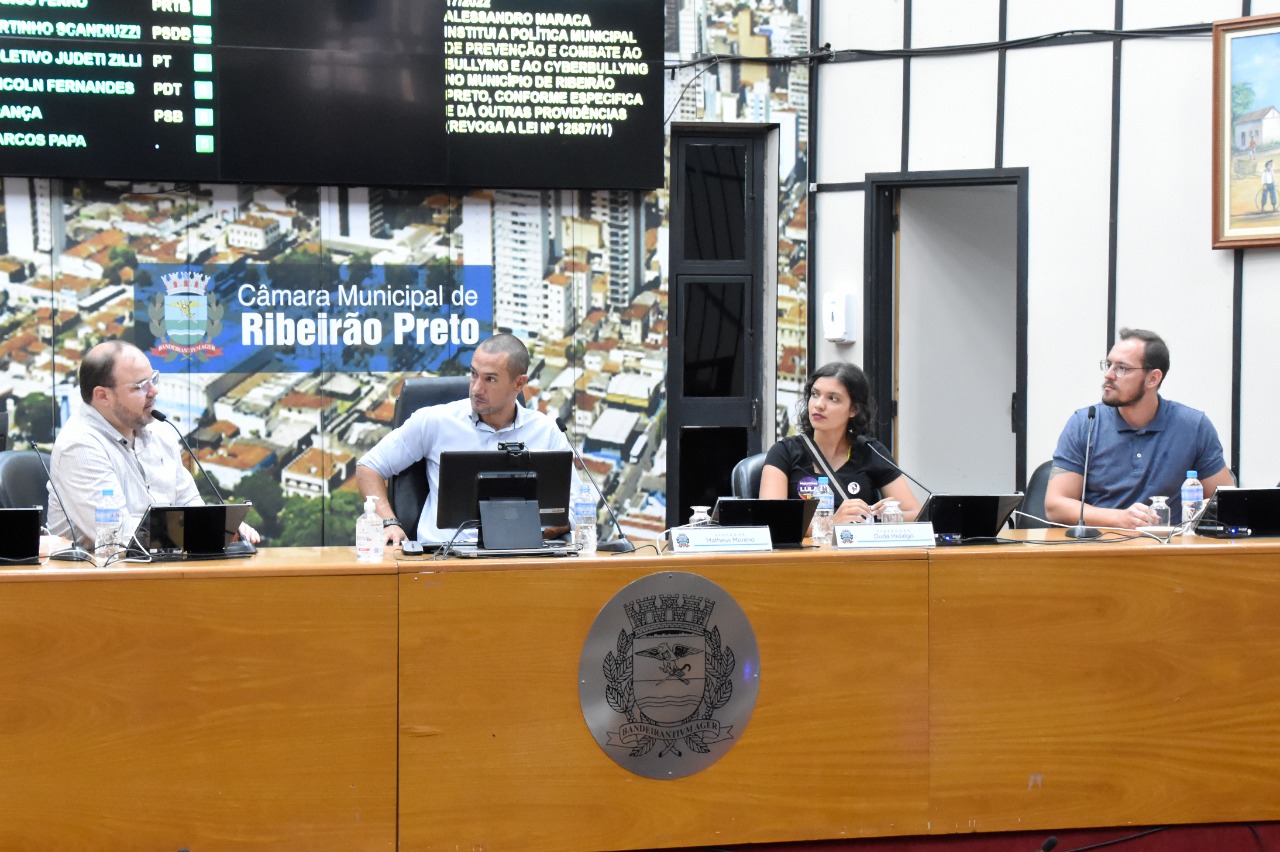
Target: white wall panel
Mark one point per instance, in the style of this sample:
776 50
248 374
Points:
934 22
838 264
1036 17
953 112
1140 14
1260 381
1168 279
1057 125
867 24
861 125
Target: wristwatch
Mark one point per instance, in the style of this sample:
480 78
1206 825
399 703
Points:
389 522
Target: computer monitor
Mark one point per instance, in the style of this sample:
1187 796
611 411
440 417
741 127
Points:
968 518
541 476
1238 512
168 533
788 520
20 545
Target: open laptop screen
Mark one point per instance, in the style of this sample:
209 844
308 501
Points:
193 532
787 520
20 543
1254 509
957 517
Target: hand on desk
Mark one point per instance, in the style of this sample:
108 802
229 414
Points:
1137 515
52 544
855 511
249 534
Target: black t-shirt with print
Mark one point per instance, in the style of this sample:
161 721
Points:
862 476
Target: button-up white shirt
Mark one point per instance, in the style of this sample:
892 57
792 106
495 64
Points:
452 427
90 455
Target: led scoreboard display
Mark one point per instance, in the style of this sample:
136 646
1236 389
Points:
466 93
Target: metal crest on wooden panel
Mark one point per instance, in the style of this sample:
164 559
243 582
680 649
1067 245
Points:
669 675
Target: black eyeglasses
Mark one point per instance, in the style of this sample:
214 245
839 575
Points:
1121 370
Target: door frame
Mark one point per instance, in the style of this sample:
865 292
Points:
757 266
880 231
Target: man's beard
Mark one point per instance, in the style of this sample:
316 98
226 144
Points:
1117 402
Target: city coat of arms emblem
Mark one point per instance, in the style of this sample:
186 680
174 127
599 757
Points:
664 689
185 318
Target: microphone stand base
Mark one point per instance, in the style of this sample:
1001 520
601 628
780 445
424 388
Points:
71 555
1081 531
618 545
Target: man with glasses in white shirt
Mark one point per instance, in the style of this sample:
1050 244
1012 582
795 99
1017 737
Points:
113 442
1143 444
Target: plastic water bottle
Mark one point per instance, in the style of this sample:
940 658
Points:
106 525
370 535
821 529
1192 497
584 519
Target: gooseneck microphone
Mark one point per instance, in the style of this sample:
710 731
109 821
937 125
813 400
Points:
156 414
74 553
1050 843
1080 530
621 544
866 442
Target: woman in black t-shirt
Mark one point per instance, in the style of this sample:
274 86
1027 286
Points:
835 411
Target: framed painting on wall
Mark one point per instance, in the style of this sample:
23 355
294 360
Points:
1246 132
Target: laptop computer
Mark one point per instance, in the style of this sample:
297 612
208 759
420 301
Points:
547 548
20 543
174 533
968 518
787 520
1240 512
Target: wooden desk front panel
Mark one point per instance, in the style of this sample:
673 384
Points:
495 754
1105 686
219 713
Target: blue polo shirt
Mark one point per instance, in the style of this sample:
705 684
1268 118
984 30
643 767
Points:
1128 465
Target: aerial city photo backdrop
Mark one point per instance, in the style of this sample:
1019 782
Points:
284 318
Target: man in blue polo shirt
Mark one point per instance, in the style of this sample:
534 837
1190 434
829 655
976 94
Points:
1143 444
489 416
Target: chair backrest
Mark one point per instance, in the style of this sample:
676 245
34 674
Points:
408 489
746 476
1033 500
22 479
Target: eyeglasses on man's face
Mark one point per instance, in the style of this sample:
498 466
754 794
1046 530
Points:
145 384
1121 370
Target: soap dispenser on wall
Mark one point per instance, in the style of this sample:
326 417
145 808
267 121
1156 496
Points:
839 317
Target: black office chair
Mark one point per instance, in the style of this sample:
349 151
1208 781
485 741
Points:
22 479
408 489
1033 499
746 476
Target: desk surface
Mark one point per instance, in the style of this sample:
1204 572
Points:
305 561
300 694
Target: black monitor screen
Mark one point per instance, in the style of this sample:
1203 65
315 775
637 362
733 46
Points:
467 473
467 93
968 516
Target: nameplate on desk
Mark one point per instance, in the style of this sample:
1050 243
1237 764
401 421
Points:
721 540
855 536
